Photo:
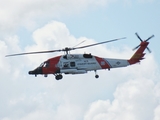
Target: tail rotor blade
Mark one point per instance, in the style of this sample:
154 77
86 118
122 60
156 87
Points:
150 38
136 47
139 37
148 50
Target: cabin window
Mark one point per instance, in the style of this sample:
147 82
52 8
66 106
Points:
66 65
72 64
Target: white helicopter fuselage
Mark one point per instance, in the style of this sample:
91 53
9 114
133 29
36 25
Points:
81 63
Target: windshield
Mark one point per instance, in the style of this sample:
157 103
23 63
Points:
44 64
41 65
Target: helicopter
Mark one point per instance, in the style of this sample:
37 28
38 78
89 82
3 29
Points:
82 63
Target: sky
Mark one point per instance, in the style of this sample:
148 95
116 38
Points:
130 93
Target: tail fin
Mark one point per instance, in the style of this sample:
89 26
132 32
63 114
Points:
139 54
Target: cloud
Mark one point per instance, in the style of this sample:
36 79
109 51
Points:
54 36
156 113
136 95
125 93
25 97
15 14
134 100
3 51
31 14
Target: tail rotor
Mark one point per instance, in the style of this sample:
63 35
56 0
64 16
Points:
143 41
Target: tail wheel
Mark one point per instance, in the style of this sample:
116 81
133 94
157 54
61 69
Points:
96 76
58 77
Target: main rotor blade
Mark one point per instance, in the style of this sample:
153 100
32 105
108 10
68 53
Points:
33 53
150 38
66 49
79 43
139 37
98 43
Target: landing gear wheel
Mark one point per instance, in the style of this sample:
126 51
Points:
58 77
96 76
45 75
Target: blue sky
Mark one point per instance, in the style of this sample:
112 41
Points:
131 93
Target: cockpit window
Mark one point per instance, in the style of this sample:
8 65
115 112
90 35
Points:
45 64
41 65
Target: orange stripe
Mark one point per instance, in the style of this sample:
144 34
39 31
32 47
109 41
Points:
102 63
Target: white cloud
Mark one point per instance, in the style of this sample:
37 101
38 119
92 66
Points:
26 13
133 100
3 51
156 112
68 111
134 97
30 14
54 36
39 115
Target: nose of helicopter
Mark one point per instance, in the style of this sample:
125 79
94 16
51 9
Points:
36 71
